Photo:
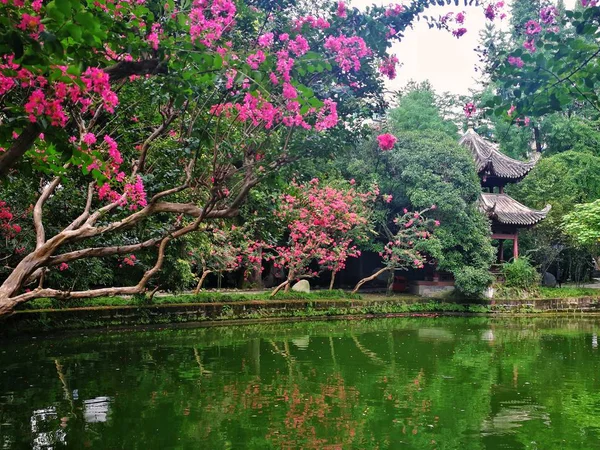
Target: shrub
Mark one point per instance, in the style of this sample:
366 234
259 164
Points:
472 281
521 274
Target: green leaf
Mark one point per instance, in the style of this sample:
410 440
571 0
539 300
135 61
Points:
74 31
64 6
53 12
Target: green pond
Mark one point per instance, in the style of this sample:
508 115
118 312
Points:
415 383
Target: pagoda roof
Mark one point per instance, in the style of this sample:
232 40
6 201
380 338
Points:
490 161
506 210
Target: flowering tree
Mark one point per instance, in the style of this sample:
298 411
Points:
153 111
324 224
404 248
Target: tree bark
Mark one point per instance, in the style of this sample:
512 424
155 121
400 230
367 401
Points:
278 288
201 281
371 278
332 280
23 143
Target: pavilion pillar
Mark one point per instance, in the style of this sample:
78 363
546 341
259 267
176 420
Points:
500 250
516 246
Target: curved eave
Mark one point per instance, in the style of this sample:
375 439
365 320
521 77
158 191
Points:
491 162
507 211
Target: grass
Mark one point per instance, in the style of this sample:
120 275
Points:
202 297
568 292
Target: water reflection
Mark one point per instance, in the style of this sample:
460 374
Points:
394 383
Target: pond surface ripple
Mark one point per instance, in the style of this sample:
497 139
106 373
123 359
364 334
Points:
414 383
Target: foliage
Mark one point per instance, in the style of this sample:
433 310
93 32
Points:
471 281
435 169
583 225
146 120
521 274
418 110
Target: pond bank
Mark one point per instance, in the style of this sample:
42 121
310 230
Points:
40 320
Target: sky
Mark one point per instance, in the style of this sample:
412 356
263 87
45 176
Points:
435 55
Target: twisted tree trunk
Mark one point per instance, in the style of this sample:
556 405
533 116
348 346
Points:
205 273
371 278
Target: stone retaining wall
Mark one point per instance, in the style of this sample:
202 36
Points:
102 317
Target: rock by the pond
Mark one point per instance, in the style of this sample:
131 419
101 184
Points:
549 280
301 286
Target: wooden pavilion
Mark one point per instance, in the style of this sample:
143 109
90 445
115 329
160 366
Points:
496 170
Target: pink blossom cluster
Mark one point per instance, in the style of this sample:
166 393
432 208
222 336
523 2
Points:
8 229
129 260
313 22
341 10
586 3
494 10
321 222
209 19
515 61
259 111
388 67
469 109
347 51
386 141
154 36
548 15
394 10
53 98
31 24
459 19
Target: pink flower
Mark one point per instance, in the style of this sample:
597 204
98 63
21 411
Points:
256 59
460 18
387 198
341 10
388 67
289 92
437 223
386 141
548 15
459 32
530 45
347 50
394 10
433 207
89 139
511 110
532 27
515 61
352 181
31 24
299 46
469 109
63 267
266 40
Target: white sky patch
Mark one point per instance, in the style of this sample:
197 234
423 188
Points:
435 55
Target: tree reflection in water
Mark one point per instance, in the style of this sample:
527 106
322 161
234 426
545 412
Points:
418 383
